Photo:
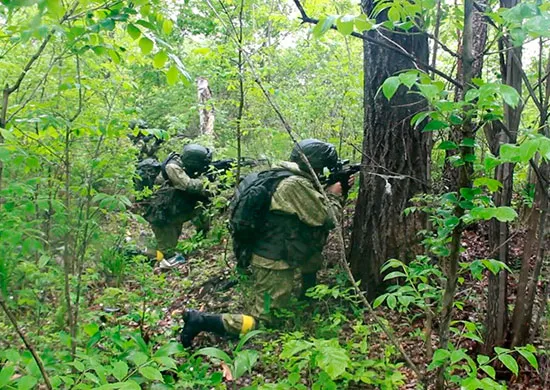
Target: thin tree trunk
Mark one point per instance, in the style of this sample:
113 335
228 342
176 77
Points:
450 265
496 322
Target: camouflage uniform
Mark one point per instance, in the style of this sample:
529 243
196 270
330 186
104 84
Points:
174 204
276 277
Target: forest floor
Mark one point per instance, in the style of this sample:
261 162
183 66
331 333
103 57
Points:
205 282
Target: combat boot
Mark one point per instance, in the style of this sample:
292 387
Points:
196 322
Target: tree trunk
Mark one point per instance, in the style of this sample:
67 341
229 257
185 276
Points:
206 110
496 322
391 146
450 173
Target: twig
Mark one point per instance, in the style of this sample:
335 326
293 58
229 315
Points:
306 19
339 234
27 343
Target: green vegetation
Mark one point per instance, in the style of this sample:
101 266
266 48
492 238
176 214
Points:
447 230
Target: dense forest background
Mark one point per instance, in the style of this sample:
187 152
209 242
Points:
438 276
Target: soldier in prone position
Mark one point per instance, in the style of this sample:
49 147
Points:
291 237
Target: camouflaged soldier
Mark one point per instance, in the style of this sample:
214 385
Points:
182 187
296 230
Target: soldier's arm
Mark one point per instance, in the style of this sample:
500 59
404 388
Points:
298 196
182 181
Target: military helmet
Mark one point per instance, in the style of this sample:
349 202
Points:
319 154
195 159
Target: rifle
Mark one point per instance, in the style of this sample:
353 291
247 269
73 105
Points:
341 173
219 167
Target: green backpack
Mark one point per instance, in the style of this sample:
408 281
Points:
249 208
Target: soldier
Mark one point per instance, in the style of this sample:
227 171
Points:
183 186
292 238
147 144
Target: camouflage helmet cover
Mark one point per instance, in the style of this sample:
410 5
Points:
320 154
195 158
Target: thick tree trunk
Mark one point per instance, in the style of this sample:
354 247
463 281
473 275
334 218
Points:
391 146
496 322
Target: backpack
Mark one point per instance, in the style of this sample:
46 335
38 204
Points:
249 208
147 171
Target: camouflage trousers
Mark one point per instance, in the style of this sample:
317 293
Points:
274 284
167 234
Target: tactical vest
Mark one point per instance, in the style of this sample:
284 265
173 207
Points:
287 238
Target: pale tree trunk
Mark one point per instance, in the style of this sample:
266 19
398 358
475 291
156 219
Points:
206 110
496 322
391 146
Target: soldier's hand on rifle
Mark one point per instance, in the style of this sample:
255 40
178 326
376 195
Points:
335 189
351 181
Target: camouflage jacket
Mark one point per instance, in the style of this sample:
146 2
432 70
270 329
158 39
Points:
298 222
176 196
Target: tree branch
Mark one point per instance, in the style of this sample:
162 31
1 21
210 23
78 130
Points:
306 19
27 343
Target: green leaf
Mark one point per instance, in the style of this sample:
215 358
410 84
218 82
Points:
408 78
324 24
151 373
390 86
146 45
244 361
393 14
172 75
509 362
344 24
166 362
458 355
378 301
391 301
138 358
215 353
120 370
294 347
492 184
363 23
6 374
169 349
246 337
26 383
528 149
447 145
332 358
167 26
489 371
435 124
455 119
160 59
510 95
505 214
133 31
395 274
530 357
482 359
91 329
509 152
490 162
439 358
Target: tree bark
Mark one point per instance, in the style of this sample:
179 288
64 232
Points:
206 110
391 146
496 322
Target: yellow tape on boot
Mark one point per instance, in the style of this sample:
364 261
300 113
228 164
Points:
249 323
160 256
